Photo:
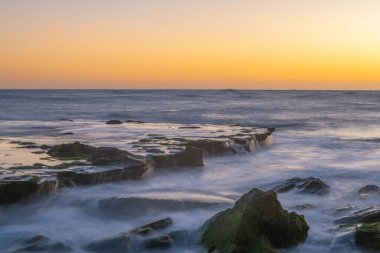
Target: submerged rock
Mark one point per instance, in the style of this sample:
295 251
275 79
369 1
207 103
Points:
309 185
157 225
40 243
114 122
116 244
369 189
303 206
137 207
368 236
367 215
126 242
256 224
161 242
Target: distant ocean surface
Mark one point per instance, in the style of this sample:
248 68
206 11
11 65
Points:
332 135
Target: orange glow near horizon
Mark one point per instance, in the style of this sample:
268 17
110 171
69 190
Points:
182 44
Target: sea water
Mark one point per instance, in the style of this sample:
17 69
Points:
332 135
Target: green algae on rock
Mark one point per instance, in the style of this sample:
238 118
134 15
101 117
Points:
256 224
368 236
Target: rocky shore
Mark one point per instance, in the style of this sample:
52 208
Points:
256 223
82 164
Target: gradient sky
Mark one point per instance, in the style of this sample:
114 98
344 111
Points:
263 44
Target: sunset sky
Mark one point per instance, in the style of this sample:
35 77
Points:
247 44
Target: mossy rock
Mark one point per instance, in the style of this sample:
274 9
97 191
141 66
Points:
256 224
368 236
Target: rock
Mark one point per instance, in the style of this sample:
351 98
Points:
369 189
97 156
137 207
40 243
192 157
211 147
303 206
157 225
114 122
117 244
161 242
97 176
256 224
189 127
368 215
309 185
129 166
180 237
15 189
368 236
126 242
67 133
72 150
346 208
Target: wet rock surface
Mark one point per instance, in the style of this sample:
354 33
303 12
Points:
257 223
15 189
190 157
308 185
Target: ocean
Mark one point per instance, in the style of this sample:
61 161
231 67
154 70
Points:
331 135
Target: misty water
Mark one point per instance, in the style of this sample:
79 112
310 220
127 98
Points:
334 136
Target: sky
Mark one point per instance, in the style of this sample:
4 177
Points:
187 44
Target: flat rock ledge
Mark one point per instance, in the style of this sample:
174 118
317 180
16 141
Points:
87 165
256 224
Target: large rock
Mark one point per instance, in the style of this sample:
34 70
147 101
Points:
126 165
137 207
368 236
309 185
256 224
